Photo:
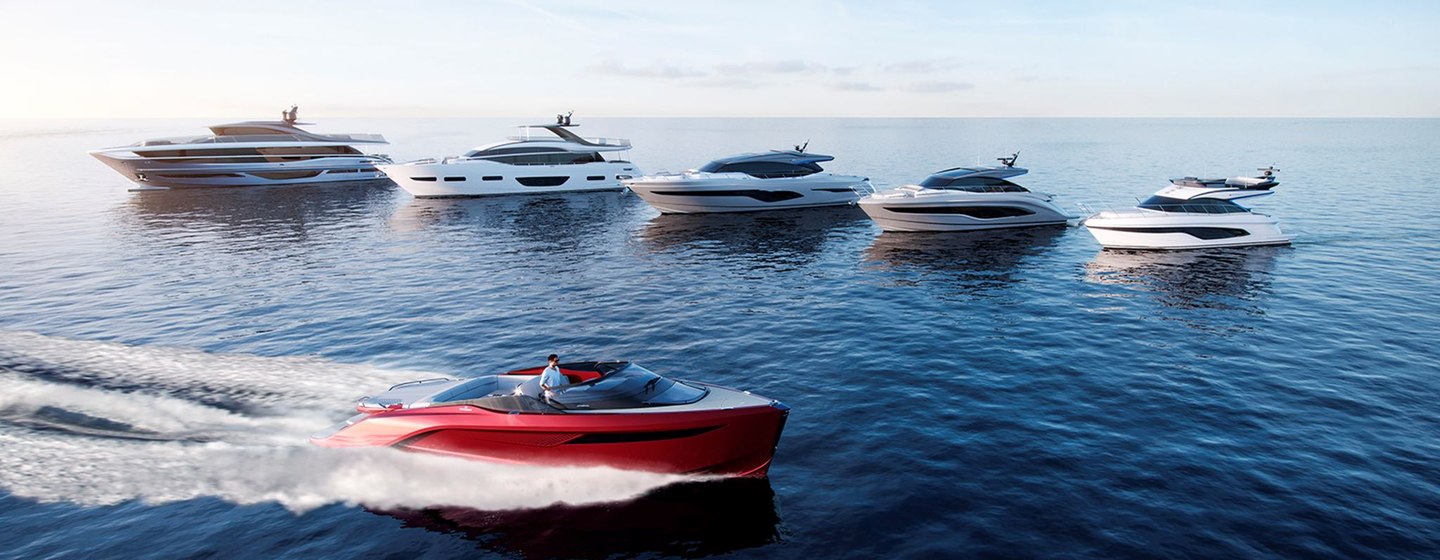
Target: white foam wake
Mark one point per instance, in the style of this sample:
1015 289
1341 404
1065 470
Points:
256 381
95 445
90 471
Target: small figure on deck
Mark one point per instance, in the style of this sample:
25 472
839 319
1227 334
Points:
566 120
292 115
551 378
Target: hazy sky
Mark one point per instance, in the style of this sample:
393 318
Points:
249 58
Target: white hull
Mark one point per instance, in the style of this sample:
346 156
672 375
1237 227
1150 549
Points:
1173 231
152 175
488 178
700 193
911 210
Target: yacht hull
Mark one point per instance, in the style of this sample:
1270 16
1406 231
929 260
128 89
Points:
1168 231
731 441
960 211
472 178
733 192
152 175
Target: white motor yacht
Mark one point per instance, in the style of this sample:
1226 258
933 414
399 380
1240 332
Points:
542 158
245 154
963 199
750 182
1193 213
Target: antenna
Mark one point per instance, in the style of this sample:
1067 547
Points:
1009 161
801 147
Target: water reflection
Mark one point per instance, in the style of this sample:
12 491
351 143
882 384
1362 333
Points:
788 235
552 218
973 261
287 213
1213 278
687 520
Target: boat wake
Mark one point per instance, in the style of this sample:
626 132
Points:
97 423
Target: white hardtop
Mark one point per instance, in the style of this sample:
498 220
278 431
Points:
1190 193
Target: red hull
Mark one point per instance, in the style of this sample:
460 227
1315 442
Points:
737 442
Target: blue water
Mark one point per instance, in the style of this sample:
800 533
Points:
163 354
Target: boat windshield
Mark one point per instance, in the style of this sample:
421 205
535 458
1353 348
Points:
971 184
621 385
1192 206
762 169
628 386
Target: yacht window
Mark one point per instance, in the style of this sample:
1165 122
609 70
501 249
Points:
1192 206
207 155
503 151
972 184
763 169
243 130
562 158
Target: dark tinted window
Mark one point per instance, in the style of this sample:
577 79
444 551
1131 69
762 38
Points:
763 169
502 151
972 184
982 212
563 158
1193 206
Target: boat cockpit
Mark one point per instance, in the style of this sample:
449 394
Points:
593 386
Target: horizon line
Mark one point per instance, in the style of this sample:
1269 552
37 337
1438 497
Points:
1031 117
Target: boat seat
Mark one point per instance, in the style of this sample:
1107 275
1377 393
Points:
579 376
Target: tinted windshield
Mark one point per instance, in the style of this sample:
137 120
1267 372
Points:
1192 206
762 169
972 184
630 386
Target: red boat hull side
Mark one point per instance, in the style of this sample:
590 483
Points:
738 442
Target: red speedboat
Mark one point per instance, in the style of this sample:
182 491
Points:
615 414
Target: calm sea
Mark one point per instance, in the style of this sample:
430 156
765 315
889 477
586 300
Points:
163 355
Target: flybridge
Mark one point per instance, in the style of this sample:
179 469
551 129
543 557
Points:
530 133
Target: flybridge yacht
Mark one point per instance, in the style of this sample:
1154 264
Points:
1193 213
962 199
750 182
615 414
244 154
541 158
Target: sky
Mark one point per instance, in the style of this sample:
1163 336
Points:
735 58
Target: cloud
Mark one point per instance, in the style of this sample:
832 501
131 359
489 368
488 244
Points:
939 87
774 67
1031 78
726 83
921 66
855 86
657 70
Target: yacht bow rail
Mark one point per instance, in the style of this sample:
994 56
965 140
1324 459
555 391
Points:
258 138
864 189
603 142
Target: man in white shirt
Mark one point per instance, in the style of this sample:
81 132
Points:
551 378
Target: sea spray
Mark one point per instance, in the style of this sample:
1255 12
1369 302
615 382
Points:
98 423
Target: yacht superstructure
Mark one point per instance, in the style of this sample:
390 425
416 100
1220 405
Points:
539 159
750 182
244 154
1193 213
962 199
